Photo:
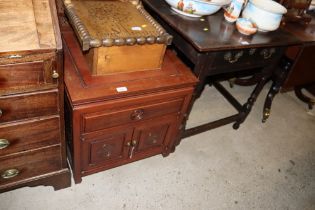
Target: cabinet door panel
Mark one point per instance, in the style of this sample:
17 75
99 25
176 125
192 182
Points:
105 147
155 136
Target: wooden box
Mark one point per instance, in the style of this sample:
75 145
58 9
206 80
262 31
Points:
117 36
32 143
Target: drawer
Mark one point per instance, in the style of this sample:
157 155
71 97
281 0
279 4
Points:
111 118
21 77
230 61
29 165
22 136
23 106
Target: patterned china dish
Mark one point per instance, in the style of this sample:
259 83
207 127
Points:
197 8
245 26
266 14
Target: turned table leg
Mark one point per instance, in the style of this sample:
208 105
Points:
279 78
298 92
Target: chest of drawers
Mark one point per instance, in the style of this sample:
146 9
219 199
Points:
32 147
117 119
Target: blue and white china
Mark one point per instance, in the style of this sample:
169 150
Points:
266 14
197 8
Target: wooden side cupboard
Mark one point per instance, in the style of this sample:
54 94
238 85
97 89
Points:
32 143
116 119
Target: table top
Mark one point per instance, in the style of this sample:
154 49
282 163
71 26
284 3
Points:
213 33
26 25
305 33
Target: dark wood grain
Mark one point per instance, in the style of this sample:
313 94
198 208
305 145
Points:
220 34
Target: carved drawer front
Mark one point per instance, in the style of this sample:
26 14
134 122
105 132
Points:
26 76
105 148
29 165
17 107
28 135
111 117
229 61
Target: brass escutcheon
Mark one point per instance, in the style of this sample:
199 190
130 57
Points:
4 143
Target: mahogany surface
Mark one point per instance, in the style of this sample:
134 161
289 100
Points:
31 99
107 128
215 47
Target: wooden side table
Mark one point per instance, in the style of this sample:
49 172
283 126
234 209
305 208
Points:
216 49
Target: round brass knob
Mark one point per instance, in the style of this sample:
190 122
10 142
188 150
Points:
4 143
55 74
137 114
10 173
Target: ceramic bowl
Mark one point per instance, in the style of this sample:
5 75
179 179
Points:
245 26
266 14
197 8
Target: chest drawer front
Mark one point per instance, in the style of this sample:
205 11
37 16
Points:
111 118
25 76
229 61
28 135
29 165
29 105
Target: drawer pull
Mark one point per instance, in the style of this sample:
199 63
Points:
137 114
4 143
10 173
55 74
1 112
133 146
228 56
267 53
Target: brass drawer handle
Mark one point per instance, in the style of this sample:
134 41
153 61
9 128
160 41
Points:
10 173
267 53
55 74
137 114
1 112
228 56
4 143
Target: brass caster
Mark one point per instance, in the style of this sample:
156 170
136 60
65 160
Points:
266 115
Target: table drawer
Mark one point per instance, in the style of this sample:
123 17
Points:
29 165
29 75
17 137
106 119
22 106
230 61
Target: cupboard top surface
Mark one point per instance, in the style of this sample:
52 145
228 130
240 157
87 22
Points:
26 25
82 87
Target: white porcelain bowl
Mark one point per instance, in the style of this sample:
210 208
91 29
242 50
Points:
197 8
266 14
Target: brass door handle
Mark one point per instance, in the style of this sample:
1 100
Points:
10 173
55 74
133 146
4 143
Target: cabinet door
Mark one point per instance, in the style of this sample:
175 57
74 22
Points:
154 137
105 148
